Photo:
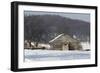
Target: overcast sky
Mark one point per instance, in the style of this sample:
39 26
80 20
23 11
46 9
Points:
79 16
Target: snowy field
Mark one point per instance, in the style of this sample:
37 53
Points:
47 55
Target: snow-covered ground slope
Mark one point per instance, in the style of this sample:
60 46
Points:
46 55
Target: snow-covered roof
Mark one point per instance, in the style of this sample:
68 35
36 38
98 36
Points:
55 38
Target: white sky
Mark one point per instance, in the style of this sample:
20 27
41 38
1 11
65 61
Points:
79 16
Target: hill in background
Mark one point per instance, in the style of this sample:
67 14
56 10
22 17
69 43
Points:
43 28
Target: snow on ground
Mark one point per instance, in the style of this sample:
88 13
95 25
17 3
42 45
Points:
46 55
85 45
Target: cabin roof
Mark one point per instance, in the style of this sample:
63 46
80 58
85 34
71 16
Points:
63 38
56 38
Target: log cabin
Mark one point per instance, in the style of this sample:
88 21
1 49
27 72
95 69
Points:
65 42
